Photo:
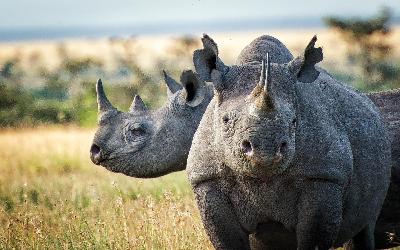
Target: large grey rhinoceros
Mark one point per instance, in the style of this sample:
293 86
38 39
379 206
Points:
288 150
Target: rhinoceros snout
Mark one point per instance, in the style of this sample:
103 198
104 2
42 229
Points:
261 155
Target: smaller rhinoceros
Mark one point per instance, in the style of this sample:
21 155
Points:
288 150
143 143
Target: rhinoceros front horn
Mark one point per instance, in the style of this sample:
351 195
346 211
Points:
262 92
103 104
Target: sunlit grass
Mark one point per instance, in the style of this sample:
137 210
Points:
52 196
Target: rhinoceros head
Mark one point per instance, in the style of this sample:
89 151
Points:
255 116
144 143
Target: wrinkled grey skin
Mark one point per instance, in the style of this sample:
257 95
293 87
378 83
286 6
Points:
387 231
295 154
143 143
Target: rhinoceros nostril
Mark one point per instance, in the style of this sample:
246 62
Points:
247 148
95 154
94 149
282 147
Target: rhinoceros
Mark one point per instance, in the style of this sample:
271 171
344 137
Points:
288 150
144 143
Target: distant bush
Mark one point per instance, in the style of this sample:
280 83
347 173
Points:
15 102
66 94
369 48
50 111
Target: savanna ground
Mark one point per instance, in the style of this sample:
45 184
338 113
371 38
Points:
51 195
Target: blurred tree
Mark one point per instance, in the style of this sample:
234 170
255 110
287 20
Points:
11 71
55 87
39 94
367 44
184 46
75 66
15 101
144 82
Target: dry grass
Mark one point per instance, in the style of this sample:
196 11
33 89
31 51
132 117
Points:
52 196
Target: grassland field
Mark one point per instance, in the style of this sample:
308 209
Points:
53 197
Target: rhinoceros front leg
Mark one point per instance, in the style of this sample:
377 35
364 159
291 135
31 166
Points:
219 220
320 215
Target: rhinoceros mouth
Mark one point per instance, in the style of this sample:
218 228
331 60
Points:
263 168
110 164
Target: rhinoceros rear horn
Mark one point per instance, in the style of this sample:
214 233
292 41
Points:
304 66
205 60
195 89
172 85
137 105
103 104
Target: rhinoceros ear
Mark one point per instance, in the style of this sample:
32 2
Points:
172 85
205 60
137 105
304 66
194 88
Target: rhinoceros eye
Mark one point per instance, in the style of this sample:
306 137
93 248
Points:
137 131
229 118
134 132
225 118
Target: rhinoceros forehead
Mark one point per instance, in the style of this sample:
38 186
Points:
240 80
120 121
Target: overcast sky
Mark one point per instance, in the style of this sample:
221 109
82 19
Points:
69 13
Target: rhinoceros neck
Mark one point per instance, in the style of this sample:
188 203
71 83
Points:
168 150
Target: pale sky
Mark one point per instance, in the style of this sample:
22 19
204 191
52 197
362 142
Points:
70 13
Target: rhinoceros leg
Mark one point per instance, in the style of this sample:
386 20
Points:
219 219
387 230
364 239
320 213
